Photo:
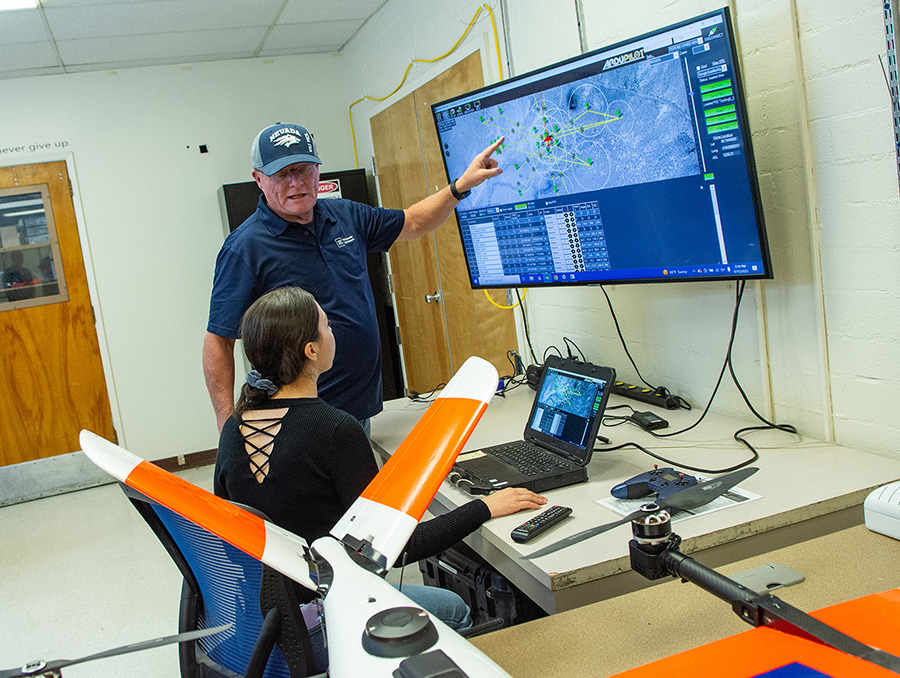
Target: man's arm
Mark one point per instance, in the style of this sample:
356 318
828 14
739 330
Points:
218 369
429 213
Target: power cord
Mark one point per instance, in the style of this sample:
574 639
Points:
527 330
569 343
517 378
753 458
547 352
622 338
739 434
426 397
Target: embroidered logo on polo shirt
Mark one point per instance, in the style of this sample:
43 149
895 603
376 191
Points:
346 240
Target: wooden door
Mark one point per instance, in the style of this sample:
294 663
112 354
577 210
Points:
436 336
474 325
51 382
414 274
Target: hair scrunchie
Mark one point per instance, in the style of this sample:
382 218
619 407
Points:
255 380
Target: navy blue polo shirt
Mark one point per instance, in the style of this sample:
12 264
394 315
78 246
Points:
327 258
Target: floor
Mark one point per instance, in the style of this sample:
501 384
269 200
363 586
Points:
81 573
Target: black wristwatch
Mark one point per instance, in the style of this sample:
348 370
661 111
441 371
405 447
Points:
456 193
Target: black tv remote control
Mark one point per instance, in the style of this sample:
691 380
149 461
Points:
540 523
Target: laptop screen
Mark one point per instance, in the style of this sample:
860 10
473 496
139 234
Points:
568 408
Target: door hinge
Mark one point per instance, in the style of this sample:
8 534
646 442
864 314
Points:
93 315
71 190
374 171
397 332
390 283
115 437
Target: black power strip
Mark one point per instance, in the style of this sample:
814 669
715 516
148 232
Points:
658 397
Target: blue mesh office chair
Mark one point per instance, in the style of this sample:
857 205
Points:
225 585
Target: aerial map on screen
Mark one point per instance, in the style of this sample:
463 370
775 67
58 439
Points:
626 126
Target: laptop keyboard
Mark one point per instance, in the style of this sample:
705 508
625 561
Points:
531 460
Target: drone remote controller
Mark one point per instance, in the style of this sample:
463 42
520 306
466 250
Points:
660 481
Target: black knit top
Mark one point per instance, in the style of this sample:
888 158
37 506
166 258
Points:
313 463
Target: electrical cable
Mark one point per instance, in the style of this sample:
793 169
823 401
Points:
417 397
622 338
402 570
527 331
739 293
547 351
430 61
738 435
517 378
697 469
569 350
506 308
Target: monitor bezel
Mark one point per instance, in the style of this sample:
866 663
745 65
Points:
753 178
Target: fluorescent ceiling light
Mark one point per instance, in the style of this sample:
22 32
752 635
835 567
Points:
22 214
17 4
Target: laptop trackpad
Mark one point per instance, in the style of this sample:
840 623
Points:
489 469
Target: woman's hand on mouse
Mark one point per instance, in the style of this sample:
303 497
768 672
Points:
511 500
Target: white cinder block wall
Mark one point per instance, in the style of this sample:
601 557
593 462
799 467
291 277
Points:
817 346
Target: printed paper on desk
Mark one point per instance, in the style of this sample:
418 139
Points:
733 497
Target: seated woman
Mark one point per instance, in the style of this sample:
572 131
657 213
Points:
303 463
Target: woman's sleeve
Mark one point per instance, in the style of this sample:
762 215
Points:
439 534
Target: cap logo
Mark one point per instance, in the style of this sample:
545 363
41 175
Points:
287 140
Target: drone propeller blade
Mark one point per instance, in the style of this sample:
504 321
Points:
581 536
380 522
701 494
686 499
39 668
278 548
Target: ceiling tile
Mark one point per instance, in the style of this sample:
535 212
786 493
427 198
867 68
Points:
26 55
24 25
111 34
164 16
173 47
305 11
307 36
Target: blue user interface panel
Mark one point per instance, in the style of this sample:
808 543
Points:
629 164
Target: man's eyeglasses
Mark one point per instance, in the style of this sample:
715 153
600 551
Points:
302 173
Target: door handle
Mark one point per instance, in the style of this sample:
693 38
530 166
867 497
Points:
436 297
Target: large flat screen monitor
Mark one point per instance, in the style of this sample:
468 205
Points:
631 163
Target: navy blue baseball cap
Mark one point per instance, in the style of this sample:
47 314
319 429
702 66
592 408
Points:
280 145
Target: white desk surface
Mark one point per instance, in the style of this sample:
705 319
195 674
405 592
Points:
808 488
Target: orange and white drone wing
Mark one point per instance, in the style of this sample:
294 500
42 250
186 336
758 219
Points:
278 548
381 521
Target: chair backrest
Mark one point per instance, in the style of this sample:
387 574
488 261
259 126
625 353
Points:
223 587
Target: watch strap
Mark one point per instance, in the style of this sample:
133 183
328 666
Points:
455 191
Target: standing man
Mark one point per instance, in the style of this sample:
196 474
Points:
294 240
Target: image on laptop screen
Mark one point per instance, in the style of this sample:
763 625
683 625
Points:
567 406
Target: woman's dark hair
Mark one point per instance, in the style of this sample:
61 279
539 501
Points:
275 331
